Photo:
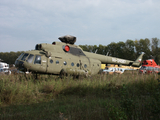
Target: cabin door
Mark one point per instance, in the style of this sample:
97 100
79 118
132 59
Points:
50 65
43 63
54 65
84 63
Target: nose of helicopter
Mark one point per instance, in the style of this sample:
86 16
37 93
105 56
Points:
19 65
28 62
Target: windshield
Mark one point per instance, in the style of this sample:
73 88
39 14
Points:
150 68
24 57
143 68
30 58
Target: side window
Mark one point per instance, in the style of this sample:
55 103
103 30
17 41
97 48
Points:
24 57
57 62
65 63
51 61
85 66
30 58
37 59
72 64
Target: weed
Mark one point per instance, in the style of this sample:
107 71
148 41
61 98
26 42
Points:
116 112
126 102
108 97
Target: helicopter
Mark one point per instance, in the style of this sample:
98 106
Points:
66 57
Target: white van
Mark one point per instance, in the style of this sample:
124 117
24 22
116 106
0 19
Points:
4 68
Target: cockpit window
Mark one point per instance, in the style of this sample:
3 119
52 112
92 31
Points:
20 56
24 57
143 68
37 59
30 58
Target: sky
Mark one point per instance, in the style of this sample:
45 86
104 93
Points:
25 23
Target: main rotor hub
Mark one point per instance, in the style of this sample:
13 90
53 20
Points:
68 39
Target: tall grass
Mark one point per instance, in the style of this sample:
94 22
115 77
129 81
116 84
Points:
128 96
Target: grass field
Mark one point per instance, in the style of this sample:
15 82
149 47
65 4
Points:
130 96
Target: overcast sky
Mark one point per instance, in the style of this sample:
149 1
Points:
24 23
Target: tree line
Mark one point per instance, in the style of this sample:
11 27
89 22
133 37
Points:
10 57
130 50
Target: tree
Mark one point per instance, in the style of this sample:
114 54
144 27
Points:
120 50
130 50
112 48
84 47
102 50
9 57
143 45
155 49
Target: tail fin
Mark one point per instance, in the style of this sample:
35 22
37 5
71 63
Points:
137 62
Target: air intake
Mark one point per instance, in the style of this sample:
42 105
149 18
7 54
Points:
68 39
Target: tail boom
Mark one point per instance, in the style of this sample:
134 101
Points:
114 60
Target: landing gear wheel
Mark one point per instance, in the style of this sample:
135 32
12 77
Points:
62 73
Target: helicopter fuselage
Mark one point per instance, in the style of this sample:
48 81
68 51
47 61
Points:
66 57
53 58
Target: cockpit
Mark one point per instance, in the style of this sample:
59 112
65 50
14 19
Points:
29 58
150 68
147 68
143 68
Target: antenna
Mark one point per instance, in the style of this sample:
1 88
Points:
107 53
96 50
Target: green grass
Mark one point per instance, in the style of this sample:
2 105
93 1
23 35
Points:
128 96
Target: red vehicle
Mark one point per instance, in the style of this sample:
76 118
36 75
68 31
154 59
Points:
149 66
